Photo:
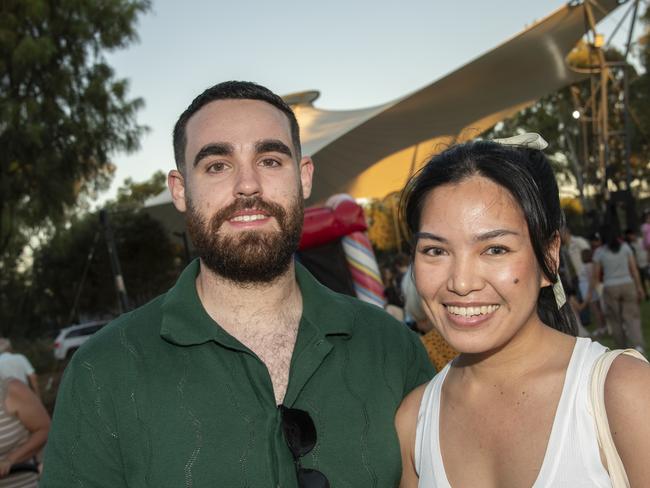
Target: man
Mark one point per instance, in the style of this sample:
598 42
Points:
14 365
640 255
574 246
247 373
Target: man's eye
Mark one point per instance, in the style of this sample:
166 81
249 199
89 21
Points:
269 162
496 250
216 167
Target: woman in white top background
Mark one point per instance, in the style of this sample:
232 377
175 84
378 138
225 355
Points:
622 291
512 409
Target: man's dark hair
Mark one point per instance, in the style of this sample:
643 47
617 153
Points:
231 90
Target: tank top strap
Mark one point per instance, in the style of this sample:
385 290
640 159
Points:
427 455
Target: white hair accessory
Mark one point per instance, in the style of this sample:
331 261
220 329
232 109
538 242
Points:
531 140
558 291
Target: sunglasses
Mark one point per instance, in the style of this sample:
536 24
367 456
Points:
300 434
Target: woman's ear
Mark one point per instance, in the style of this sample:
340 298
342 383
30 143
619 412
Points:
553 252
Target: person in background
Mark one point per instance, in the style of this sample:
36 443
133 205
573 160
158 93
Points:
595 241
512 410
645 232
573 245
17 366
597 319
24 426
640 255
622 292
439 351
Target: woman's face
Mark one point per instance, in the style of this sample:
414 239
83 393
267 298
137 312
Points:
474 265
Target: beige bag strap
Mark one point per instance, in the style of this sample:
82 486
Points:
612 460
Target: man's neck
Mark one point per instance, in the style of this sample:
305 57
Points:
230 303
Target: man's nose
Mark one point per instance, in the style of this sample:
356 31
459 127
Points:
247 182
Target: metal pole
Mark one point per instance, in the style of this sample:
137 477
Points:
628 131
80 286
115 261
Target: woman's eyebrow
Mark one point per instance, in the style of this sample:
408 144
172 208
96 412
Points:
428 235
486 236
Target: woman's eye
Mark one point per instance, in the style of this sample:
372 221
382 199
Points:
496 250
433 251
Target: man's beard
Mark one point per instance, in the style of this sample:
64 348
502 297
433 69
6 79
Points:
251 256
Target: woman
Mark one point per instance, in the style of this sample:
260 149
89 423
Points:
24 424
511 410
622 291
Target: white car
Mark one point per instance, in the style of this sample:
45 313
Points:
71 338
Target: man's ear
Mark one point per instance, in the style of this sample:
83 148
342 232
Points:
306 167
554 253
176 185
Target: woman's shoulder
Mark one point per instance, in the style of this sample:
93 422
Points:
627 383
627 402
410 406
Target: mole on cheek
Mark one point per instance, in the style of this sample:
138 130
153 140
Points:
516 281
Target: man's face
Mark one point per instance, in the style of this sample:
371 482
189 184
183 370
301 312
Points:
242 189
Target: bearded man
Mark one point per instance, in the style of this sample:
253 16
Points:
248 372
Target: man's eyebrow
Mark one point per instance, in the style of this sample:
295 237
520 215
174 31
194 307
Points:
272 145
486 236
214 149
428 235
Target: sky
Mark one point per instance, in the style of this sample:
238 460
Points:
357 53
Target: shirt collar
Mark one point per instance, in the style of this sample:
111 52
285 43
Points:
185 322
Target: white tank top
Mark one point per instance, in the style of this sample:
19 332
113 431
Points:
572 458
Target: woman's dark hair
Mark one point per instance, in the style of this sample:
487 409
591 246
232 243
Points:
528 176
613 241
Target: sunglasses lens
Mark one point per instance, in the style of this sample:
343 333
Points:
299 431
310 478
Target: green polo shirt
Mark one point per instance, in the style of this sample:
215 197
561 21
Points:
164 397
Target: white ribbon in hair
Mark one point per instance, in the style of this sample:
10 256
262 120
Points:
531 140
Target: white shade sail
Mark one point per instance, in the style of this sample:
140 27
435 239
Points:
371 152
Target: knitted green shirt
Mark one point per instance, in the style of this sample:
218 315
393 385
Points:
164 397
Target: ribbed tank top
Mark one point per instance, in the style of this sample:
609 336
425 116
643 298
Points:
572 457
12 433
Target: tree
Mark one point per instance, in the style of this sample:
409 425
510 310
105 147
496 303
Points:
71 276
62 111
574 145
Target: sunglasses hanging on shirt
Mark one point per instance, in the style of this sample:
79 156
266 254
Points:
300 434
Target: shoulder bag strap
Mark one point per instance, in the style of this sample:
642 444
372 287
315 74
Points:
612 460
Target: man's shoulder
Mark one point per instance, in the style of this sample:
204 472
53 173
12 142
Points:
140 325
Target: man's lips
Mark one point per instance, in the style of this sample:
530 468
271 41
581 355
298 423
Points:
248 215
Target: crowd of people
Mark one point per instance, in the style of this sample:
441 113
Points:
607 280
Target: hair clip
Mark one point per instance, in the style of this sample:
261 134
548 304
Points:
558 292
530 140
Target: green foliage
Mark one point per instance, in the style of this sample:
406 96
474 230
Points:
148 260
62 111
573 147
134 195
71 278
